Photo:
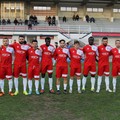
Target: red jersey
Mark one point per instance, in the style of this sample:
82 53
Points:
47 53
6 56
103 54
61 55
34 57
20 53
90 52
116 56
75 56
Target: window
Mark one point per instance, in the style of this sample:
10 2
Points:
100 9
74 9
89 9
69 9
94 9
41 8
63 8
116 10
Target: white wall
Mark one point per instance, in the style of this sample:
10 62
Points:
57 36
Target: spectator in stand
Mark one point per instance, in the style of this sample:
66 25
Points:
54 20
35 20
49 20
31 18
29 25
64 19
92 19
87 18
77 17
74 17
8 21
20 22
3 22
46 19
26 22
15 21
54 17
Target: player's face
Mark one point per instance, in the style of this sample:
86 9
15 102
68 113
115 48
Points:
62 44
91 42
34 44
105 42
77 46
21 40
47 41
5 42
117 44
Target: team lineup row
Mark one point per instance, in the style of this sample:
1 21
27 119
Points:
40 60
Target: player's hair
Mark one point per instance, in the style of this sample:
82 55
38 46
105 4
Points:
5 38
91 38
34 41
117 41
76 42
21 36
47 38
104 38
61 40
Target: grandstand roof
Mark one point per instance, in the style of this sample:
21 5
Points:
78 2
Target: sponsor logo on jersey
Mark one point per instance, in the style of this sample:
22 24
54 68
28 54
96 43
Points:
47 53
91 53
5 55
62 55
105 53
34 57
76 56
20 51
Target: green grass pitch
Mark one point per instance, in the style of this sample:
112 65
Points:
87 106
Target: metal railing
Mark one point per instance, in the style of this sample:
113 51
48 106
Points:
66 29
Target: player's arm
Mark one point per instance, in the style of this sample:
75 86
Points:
40 55
53 50
13 56
110 53
70 54
82 57
97 54
12 45
54 57
27 55
0 47
40 48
